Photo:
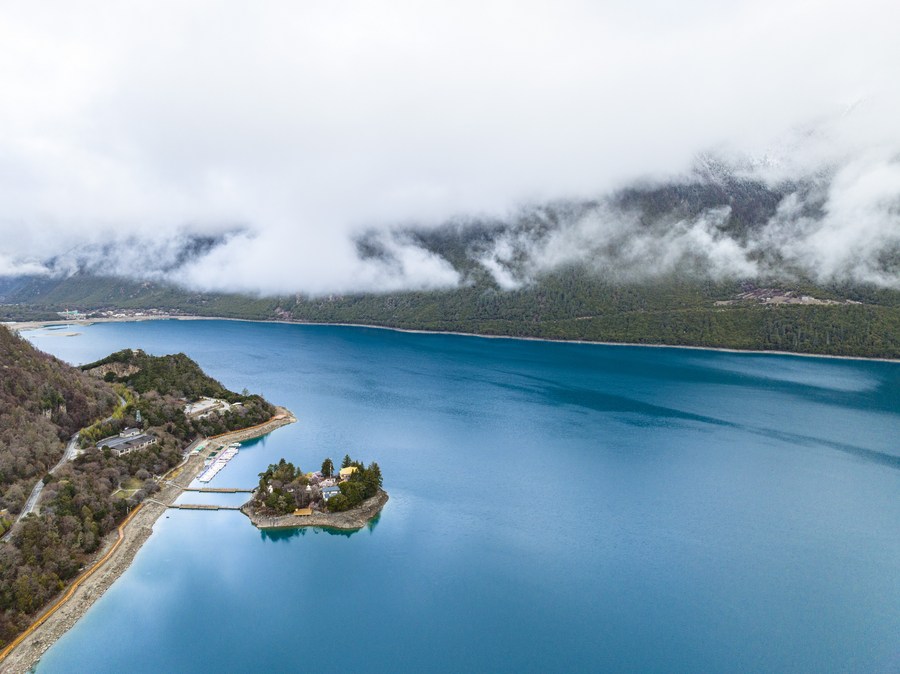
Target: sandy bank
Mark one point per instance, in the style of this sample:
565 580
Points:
118 552
349 520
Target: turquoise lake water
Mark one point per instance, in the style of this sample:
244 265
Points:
554 507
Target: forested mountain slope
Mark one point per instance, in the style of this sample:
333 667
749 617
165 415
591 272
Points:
715 260
846 319
43 402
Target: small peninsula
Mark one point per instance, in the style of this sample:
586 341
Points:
90 457
345 499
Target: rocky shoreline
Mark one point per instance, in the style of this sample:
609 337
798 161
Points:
62 617
26 655
350 520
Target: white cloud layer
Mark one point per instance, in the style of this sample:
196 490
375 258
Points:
844 226
302 124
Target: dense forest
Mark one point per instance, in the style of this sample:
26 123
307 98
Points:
164 384
82 502
44 402
175 375
569 304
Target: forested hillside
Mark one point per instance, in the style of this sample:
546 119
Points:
164 385
574 304
678 312
43 402
673 291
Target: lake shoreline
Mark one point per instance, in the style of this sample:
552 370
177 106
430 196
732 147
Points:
116 556
350 520
36 325
720 480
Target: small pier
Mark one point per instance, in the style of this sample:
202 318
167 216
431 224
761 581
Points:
218 460
219 490
200 506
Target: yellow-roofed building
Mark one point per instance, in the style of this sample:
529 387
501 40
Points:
347 472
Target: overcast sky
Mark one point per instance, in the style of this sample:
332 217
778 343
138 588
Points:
303 123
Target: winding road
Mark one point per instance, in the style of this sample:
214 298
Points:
70 453
34 497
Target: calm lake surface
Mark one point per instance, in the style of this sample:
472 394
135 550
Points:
553 507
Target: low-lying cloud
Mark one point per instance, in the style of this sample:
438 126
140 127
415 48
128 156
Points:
843 226
266 141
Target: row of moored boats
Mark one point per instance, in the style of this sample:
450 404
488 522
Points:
218 462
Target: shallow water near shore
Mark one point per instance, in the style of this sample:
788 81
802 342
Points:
554 507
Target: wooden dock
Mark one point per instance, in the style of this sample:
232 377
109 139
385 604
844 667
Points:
201 506
219 490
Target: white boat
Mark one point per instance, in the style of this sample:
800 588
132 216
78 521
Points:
219 462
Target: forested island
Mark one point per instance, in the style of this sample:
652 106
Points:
345 498
87 490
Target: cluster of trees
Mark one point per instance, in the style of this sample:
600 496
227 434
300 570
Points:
164 383
283 487
577 303
43 402
175 375
39 298
82 502
364 483
166 413
18 312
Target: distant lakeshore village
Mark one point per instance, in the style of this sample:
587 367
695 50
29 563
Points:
77 315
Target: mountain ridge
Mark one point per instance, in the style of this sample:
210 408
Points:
678 262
